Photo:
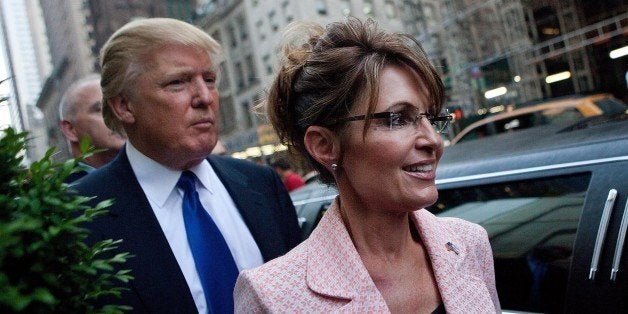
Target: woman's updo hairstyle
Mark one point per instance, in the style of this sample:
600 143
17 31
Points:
324 72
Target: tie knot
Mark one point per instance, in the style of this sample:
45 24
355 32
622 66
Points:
187 181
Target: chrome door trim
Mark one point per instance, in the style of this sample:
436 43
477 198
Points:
601 232
620 243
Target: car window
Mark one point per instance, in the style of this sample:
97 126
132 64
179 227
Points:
524 121
563 115
611 106
532 227
607 106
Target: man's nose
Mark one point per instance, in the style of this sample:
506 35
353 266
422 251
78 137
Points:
202 93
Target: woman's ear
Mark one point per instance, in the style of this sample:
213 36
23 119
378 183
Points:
122 109
322 144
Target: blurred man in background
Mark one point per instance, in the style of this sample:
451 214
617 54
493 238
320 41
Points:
80 113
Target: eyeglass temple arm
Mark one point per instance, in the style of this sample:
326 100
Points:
447 117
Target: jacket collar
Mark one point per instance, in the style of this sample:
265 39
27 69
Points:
251 204
335 269
449 254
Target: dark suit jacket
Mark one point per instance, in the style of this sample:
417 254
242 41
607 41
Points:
159 285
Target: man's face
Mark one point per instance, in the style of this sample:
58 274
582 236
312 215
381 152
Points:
88 121
173 107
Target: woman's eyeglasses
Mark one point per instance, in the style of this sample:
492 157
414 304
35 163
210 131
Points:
405 119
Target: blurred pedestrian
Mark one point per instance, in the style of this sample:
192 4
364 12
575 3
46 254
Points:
291 179
80 113
363 106
191 220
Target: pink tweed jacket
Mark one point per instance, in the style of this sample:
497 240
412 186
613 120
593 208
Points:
325 273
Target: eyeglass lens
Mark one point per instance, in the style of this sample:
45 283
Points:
406 118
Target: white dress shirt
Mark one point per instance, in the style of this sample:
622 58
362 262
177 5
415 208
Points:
159 185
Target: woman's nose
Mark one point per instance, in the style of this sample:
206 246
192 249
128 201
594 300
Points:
429 133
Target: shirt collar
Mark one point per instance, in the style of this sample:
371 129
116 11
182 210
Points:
157 180
86 167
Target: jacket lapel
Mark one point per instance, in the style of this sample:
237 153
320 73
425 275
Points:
457 287
153 260
335 270
251 206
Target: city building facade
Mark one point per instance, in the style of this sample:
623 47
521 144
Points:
250 33
490 53
28 62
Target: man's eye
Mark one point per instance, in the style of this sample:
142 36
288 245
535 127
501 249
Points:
175 82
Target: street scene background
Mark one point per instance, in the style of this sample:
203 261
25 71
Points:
491 54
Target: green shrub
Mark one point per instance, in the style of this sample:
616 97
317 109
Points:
45 267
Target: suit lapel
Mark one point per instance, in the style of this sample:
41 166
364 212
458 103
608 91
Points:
335 270
153 261
457 287
251 206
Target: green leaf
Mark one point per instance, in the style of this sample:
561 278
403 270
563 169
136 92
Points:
44 264
44 296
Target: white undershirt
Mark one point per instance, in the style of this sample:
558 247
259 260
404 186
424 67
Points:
159 185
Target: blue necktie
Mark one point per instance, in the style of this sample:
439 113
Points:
214 262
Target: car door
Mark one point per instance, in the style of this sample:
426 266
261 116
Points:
599 244
542 224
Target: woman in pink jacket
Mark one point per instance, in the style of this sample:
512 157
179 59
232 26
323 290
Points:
363 106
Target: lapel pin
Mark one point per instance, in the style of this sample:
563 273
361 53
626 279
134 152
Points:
452 247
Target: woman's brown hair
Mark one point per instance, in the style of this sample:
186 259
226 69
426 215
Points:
324 72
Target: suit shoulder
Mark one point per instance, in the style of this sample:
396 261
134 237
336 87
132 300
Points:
471 231
462 225
97 182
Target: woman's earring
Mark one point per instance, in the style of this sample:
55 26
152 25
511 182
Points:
334 167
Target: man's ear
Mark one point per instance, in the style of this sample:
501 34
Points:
68 131
322 144
122 109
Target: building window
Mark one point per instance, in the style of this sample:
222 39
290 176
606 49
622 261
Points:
250 64
345 7
287 12
227 122
389 9
321 7
232 35
244 33
240 82
223 79
259 25
267 66
246 110
216 36
367 9
272 20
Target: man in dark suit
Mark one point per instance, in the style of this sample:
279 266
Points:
159 82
